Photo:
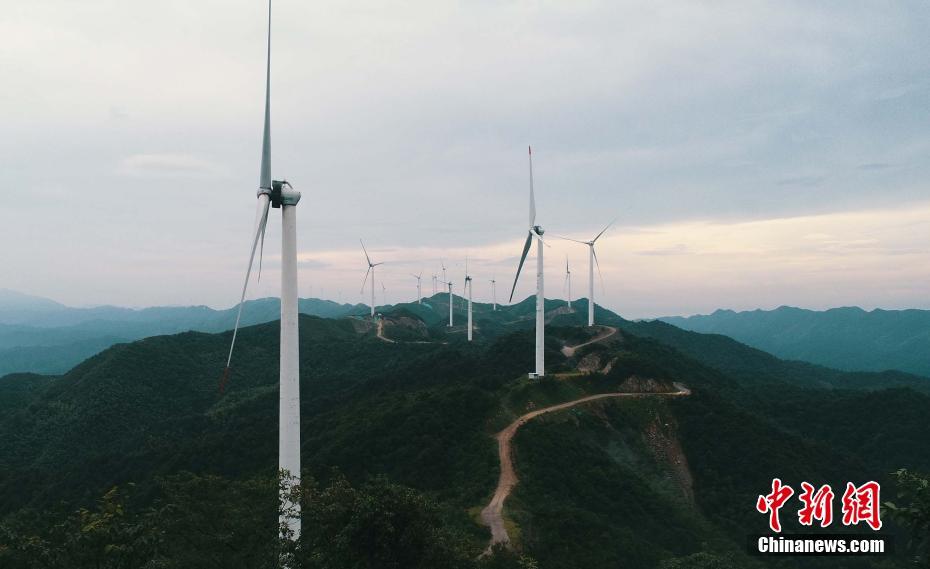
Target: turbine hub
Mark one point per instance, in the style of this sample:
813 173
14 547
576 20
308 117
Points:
538 230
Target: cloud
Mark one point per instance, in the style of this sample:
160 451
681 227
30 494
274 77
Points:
167 166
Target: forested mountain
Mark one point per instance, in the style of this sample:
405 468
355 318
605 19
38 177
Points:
850 339
135 459
42 336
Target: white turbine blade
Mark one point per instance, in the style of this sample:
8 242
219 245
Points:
261 248
367 258
263 203
265 174
598 264
526 249
532 196
603 230
364 282
570 239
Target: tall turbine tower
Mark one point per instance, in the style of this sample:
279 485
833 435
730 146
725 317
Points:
468 285
450 302
419 290
592 260
537 232
371 269
435 284
494 295
568 281
280 195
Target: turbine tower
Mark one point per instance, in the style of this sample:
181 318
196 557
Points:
494 295
568 281
435 284
383 294
280 195
419 290
468 286
371 269
536 232
592 260
450 302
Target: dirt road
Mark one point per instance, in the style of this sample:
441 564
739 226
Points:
569 351
493 514
381 332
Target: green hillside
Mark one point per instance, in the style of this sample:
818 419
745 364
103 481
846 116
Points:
844 338
397 448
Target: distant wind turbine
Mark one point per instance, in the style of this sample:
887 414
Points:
592 260
371 269
280 195
536 232
568 282
468 285
419 291
494 294
450 302
383 294
435 284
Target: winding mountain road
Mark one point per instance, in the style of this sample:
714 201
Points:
569 351
493 514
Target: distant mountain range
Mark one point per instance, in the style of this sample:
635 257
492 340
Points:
841 338
43 336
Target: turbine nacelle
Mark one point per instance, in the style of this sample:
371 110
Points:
281 193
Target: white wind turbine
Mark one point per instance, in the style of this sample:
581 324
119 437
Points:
383 294
419 290
537 232
592 260
494 294
435 284
280 195
449 284
468 286
371 269
568 281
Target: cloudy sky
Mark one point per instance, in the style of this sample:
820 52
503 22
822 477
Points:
754 153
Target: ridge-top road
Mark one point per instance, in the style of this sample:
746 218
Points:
493 514
569 351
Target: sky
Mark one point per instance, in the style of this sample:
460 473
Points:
753 154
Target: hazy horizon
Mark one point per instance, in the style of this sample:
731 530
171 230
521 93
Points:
757 154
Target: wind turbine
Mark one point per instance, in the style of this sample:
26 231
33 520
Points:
371 269
592 260
280 195
383 294
568 281
419 291
468 285
537 232
494 294
435 284
450 302
443 270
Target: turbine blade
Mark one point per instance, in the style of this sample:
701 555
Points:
264 181
598 263
364 282
532 196
261 249
570 239
603 230
263 203
526 249
367 258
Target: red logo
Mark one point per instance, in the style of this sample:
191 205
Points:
860 504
